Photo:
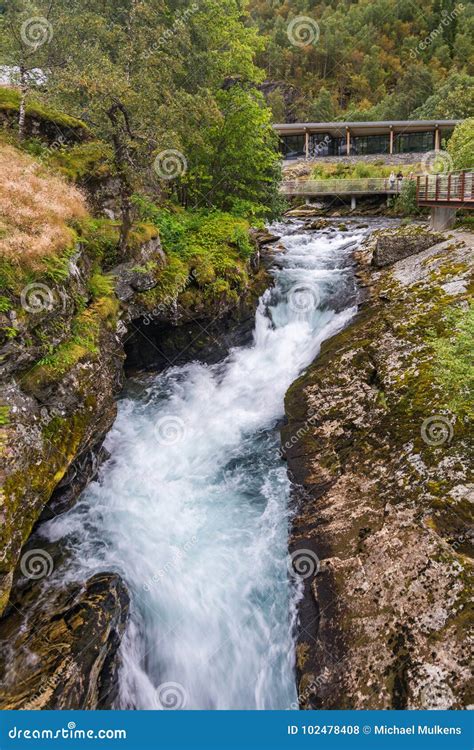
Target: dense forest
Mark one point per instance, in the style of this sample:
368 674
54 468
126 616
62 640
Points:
367 60
178 98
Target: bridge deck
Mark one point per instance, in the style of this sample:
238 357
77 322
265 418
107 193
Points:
368 186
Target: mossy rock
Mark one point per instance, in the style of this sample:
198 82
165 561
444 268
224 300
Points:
41 120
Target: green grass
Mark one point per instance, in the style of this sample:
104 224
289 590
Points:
454 361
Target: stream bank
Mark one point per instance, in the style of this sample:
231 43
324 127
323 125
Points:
379 455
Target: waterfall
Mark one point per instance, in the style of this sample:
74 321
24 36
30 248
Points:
192 508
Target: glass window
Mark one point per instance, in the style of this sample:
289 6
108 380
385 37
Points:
292 146
413 142
371 144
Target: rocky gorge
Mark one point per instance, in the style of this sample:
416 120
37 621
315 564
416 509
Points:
67 323
377 453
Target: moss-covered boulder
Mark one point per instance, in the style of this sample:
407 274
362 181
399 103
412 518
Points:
41 121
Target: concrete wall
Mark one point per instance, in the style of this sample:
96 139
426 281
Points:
442 218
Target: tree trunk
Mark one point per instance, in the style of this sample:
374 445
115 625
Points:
120 159
22 108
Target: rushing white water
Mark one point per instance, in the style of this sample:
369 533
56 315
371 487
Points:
192 508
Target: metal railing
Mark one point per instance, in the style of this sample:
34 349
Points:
445 188
341 187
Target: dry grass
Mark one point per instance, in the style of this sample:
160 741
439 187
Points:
35 208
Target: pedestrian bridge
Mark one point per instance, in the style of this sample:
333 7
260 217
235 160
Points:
445 194
341 188
321 188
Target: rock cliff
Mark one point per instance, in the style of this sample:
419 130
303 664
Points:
379 450
71 306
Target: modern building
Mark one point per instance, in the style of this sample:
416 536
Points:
319 139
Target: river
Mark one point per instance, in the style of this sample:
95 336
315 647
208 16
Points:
192 509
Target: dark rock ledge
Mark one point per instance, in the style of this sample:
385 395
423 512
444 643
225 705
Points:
63 654
383 623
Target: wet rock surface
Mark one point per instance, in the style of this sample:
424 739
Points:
383 498
203 333
64 651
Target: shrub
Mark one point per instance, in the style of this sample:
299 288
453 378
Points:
405 202
461 145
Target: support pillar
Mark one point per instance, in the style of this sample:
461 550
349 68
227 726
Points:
391 140
442 218
437 140
348 142
353 203
306 144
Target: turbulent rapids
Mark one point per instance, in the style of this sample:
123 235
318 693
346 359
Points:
192 508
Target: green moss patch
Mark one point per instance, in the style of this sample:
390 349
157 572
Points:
10 101
83 344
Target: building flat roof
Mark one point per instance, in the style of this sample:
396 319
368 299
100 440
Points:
364 128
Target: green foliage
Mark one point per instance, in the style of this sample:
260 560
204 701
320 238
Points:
461 145
82 344
454 362
276 102
92 159
100 238
203 247
230 150
203 104
405 202
5 304
360 170
453 100
100 285
322 108
372 59
240 238
57 267
4 415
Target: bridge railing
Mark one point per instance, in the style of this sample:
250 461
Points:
455 187
340 187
